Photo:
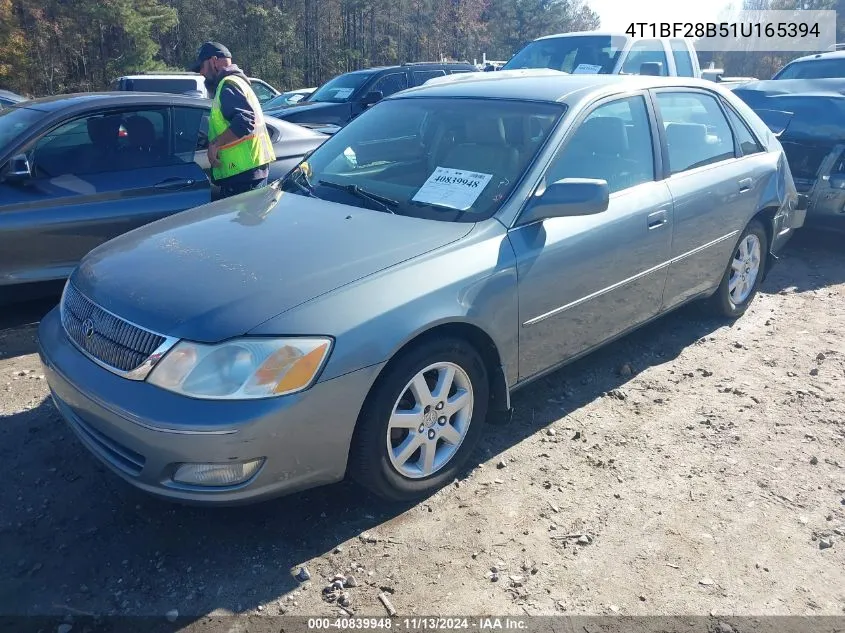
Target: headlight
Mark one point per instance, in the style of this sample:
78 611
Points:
243 368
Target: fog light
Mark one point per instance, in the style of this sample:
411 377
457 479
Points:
217 474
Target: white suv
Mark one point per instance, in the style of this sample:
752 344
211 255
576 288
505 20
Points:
183 83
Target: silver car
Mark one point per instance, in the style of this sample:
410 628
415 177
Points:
367 314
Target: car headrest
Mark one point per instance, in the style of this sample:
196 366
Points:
140 131
103 131
680 134
485 131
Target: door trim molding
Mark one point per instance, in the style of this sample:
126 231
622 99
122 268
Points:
628 280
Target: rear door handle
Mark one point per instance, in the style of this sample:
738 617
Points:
745 185
657 219
175 183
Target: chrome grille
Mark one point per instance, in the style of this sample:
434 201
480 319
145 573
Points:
103 336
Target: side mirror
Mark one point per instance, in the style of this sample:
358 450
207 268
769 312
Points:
567 198
371 98
651 68
19 169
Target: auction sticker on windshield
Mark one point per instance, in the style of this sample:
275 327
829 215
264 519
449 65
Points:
342 93
453 188
586 69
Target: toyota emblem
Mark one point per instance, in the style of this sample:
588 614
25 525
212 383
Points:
88 328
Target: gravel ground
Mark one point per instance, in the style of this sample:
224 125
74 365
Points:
693 467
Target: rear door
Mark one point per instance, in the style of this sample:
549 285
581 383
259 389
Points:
94 177
713 186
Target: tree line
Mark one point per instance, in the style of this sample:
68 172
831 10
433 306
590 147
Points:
61 46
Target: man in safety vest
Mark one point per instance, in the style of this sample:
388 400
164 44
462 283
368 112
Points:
239 147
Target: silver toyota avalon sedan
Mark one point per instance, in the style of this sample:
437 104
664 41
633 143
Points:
370 312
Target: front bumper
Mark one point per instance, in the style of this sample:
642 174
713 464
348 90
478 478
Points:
142 432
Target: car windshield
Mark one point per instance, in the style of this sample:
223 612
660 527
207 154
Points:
339 89
437 158
815 69
593 54
14 121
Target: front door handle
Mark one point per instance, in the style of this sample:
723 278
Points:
745 185
657 219
175 183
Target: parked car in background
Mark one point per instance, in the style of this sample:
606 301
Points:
341 99
185 83
287 98
7 98
78 170
443 249
819 66
808 115
605 53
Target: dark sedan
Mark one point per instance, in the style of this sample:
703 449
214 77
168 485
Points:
78 170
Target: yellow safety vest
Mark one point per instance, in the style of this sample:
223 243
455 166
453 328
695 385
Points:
248 152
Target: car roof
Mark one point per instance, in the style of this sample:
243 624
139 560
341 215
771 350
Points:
828 55
593 33
550 87
117 98
8 94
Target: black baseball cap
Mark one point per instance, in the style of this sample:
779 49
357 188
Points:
207 51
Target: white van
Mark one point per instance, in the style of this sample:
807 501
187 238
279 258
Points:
605 53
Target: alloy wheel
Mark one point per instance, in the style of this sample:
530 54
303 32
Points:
430 420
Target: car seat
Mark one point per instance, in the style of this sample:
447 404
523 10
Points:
484 148
142 149
599 150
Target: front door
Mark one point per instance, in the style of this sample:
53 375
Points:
94 178
583 280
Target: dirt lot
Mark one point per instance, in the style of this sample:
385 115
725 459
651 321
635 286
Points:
692 468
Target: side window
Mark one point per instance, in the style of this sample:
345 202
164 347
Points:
613 143
683 61
421 76
103 143
389 84
190 131
645 51
261 91
697 132
748 144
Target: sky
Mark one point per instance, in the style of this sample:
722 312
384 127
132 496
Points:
617 15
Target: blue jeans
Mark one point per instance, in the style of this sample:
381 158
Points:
241 187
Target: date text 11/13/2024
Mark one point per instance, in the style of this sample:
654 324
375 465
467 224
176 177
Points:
418 624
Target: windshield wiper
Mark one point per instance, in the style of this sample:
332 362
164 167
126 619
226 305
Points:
307 188
383 203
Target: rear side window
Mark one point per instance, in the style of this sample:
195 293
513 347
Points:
421 76
747 143
645 51
697 132
683 61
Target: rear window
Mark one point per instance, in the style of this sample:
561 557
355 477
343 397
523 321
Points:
172 86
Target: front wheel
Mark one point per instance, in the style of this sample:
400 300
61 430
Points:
421 421
744 273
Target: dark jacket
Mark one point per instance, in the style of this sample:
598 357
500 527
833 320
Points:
241 117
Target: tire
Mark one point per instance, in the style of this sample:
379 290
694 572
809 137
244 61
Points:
378 434
748 257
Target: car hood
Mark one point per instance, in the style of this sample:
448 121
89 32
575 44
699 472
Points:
302 107
222 269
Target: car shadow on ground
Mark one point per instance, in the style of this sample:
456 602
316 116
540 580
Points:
77 539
